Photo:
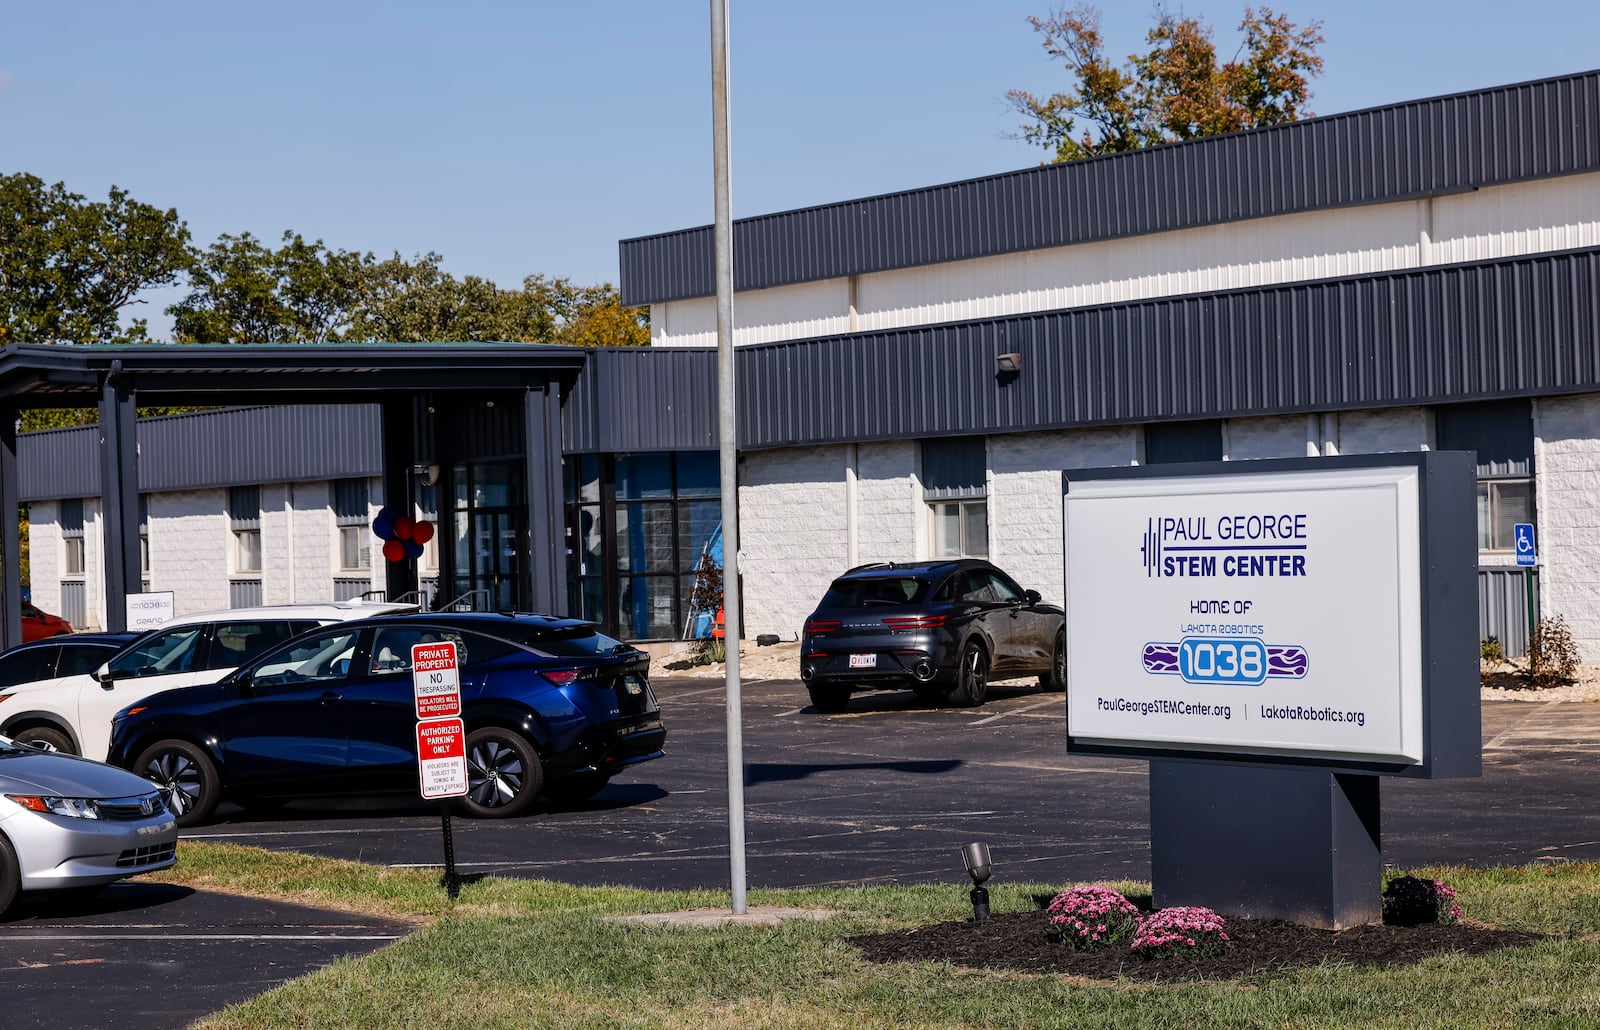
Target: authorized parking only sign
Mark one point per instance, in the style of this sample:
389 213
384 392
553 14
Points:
442 758
436 679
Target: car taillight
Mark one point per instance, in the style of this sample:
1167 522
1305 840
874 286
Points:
561 677
915 622
821 627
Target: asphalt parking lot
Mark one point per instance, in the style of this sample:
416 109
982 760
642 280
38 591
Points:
886 793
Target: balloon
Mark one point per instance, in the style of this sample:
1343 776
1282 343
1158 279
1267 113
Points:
403 527
413 549
394 550
422 532
383 524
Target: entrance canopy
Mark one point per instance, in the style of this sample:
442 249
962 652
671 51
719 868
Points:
402 378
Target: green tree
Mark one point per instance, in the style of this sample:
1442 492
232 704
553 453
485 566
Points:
69 266
1173 91
241 291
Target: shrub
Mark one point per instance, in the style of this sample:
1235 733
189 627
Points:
1087 918
1412 901
1182 930
1552 654
1490 652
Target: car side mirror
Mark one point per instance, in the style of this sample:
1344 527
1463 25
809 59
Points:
1032 596
244 681
103 675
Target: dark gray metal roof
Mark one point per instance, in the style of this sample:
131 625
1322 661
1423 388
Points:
1440 145
643 399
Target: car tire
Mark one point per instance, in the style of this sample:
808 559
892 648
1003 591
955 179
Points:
504 773
45 738
929 693
10 875
1055 681
186 777
576 789
829 700
972 676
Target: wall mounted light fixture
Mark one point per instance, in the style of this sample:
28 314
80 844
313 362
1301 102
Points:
1009 364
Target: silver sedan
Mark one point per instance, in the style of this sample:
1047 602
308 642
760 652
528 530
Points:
67 822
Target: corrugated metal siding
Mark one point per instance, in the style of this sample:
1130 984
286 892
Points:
211 449
1500 431
1503 606
1421 148
1168 442
1518 327
643 399
954 468
259 445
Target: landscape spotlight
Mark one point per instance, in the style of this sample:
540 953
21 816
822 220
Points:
976 858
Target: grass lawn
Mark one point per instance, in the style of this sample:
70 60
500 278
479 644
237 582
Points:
520 953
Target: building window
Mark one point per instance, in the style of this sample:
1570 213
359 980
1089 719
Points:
1501 434
350 515
72 537
144 534
954 484
244 517
1502 503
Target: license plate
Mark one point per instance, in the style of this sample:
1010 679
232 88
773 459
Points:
863 661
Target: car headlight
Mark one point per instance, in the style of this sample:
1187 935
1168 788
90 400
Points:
74 808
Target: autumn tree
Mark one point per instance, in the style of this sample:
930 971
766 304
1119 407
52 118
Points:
69 266
1173 91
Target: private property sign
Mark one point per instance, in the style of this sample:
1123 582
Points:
441 735
435 679
442 758
1256 608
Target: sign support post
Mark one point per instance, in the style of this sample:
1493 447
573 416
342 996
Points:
441 739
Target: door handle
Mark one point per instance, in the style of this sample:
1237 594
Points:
330 697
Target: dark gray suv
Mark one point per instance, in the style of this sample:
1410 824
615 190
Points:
942 628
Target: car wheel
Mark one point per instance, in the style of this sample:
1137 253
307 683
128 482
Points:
571 790
186 777
45 738
972 680
829 700
10 875
1055 681
503 773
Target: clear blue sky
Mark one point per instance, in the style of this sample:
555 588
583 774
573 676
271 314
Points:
531 136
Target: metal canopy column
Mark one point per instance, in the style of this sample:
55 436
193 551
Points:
119 495
546 568
399 439
10 538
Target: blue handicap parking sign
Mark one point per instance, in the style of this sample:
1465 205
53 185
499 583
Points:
1525 550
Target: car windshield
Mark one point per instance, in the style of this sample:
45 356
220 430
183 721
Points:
877 591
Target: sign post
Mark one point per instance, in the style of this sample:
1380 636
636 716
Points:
441 738
1528 558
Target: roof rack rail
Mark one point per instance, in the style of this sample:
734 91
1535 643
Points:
870 565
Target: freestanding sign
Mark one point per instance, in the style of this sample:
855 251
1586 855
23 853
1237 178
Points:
441 737
147 611
1273 635
442 757
436 679
1526 553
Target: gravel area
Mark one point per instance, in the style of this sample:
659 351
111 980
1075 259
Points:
1506 681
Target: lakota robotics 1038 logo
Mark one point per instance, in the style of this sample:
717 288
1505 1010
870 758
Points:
1237 661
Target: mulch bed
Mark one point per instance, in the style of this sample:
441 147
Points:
1020 941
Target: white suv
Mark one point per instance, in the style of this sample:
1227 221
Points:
73 713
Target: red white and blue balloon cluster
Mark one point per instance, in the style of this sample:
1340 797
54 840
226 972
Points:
402 536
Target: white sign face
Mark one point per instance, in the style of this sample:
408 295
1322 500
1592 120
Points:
147 611
436 679
1263 613
442 758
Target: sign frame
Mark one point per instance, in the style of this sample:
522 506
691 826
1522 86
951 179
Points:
1442 561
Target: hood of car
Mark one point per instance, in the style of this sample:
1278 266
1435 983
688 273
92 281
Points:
26 771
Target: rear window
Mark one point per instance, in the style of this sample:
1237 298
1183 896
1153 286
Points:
875 592
569 642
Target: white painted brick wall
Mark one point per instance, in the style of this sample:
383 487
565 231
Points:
189 541
1025 530
1567 463
44 555
1276 436
792 532
890 516
1385 431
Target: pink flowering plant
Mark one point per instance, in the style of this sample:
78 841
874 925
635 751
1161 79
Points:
1088 918
1413 900
1180 931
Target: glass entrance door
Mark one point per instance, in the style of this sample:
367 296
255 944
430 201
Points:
489 527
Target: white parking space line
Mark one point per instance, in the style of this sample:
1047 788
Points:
1019 711
1510 731
792 711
